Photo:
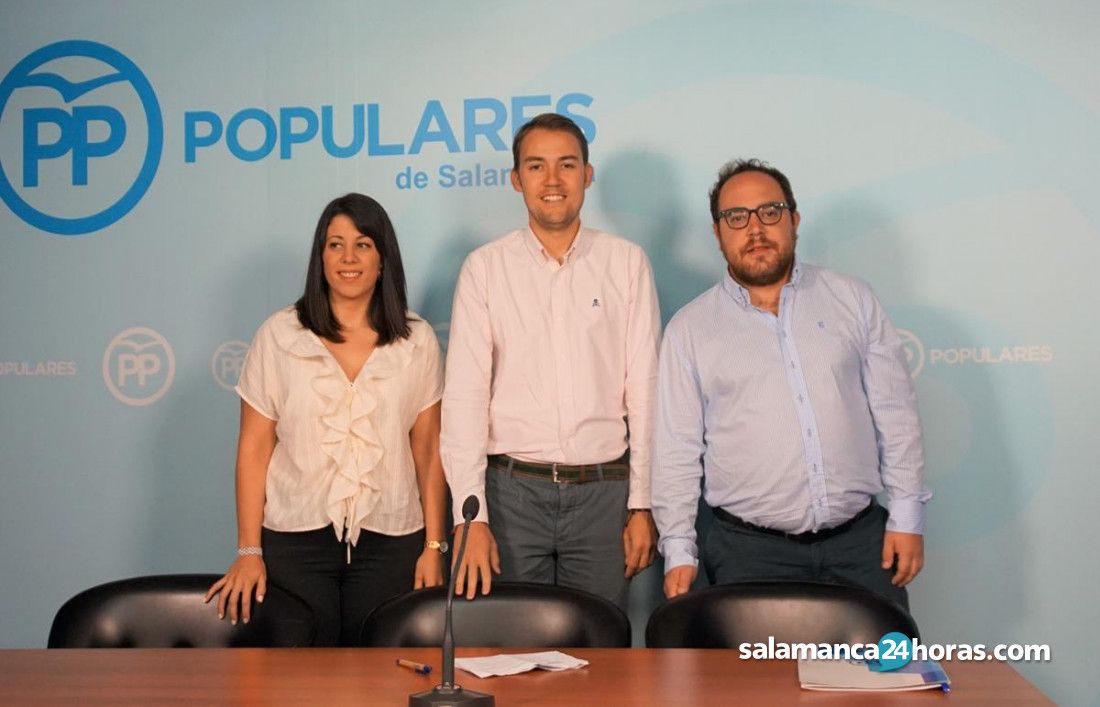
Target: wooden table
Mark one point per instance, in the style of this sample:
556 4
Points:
368 676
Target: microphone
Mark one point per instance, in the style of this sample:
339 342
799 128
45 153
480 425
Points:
447 692
469 510
470 507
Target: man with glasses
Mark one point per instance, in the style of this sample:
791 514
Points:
548 400
785 388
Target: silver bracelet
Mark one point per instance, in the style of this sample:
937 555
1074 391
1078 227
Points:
250 550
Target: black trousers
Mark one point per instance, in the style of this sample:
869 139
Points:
735 554
314 566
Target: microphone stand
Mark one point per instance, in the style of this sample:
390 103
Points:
447 692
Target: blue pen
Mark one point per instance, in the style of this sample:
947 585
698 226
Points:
413 665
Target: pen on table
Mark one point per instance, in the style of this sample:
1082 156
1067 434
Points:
413 665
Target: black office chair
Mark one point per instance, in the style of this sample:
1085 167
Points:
166 611
728 615
513 614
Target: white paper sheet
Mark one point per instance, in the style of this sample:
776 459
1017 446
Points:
490 665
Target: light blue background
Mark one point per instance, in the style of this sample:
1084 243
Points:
946 152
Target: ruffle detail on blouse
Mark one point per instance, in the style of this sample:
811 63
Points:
350 439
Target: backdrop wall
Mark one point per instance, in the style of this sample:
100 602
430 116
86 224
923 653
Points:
163 166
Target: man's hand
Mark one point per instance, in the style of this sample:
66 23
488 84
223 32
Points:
481 555
639 541
908 548
678 580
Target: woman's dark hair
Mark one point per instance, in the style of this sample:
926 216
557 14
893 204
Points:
388 304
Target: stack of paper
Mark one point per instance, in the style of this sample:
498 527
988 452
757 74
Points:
856 675
491 665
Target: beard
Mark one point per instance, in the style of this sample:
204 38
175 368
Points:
763 271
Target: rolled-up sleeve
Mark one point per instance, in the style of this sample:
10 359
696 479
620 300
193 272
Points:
431 371
259 382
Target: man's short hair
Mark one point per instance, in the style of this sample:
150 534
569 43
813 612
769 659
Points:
735 167
549 121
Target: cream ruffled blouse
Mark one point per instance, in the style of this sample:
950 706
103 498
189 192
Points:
342 455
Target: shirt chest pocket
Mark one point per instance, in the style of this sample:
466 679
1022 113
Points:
592 307
601 312
733 374
832 349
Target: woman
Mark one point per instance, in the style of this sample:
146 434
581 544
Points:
340 490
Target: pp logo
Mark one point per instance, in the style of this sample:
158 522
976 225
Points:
138 366
226 363
73 156
914 351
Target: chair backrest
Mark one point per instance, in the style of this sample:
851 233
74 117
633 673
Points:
167 611
728 615
512 614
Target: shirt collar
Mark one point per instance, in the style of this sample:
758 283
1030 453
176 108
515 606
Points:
534 246
796 273
384 362
740 295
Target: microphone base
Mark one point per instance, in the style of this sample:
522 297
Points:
443 695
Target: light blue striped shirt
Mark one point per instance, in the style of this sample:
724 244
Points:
795 422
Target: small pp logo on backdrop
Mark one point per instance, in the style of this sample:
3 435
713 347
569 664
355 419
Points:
81 134
138 366
226 363
914 351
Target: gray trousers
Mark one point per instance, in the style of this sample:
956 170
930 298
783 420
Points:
734 554
566 534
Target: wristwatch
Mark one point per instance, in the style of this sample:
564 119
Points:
440 545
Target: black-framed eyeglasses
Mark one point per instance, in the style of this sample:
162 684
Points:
769 214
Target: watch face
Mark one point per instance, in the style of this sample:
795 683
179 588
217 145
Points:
440 545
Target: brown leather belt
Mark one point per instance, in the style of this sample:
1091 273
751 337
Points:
616 470
805 538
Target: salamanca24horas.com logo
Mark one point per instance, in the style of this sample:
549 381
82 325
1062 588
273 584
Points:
82 134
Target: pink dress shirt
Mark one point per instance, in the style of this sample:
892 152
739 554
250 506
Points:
551 362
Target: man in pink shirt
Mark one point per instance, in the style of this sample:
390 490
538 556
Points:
549 396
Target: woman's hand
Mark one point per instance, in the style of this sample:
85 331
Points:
424 444
429 569
247 574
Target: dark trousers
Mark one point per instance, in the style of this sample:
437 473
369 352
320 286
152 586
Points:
736 554
566 534
314 565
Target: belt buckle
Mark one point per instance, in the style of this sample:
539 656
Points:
554 472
